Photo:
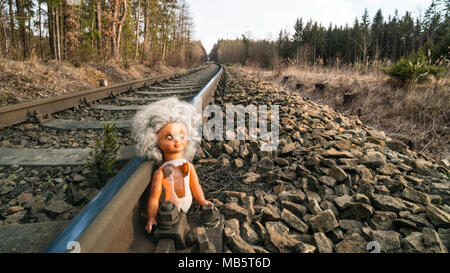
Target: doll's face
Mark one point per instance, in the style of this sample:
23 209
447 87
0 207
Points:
172 138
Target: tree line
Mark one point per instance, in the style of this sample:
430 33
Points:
148 31
366 41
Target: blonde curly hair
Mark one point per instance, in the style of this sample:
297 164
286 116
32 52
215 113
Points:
152 117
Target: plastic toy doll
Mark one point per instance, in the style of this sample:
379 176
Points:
163 131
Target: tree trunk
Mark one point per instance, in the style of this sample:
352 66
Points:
11 21
58 40
30 32
5 37
51 35
22 28
117 24
137 30
99 29
146 51
40 31
62 35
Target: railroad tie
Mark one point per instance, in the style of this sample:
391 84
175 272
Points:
54 157
84 125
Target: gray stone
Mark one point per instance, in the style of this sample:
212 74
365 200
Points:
381 189
238 163
337 173
270 198
366 189
248 204
336 235
233 224
384 202
361 198
389 169
324 245
249 234
296 196
373 160
418 220
270 213
297 209
353 243
293 221
383 220
413 243
236 194
324 221
422 167
413 207
343 201
329 181
337 154
444 235
236 243
301 247
438 217
260 230
416 196
314 207
388 240
250 177
393 185
341 189
232 210
279 240
24 197
14 219
57 206
361 210
432 241
281 161
396 146
350 224
403 223
329 205
312 195
288 148
265 165
260 249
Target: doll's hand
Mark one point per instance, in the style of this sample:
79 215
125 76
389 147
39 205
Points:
207 203
150 224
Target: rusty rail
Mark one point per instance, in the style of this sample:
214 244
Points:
17 113
109 222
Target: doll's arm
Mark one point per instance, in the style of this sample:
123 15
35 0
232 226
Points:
196 188
153 201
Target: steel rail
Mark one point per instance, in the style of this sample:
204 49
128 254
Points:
17 113
96 227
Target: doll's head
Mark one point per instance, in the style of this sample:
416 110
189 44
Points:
162 120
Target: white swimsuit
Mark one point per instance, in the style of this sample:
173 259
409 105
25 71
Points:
186 201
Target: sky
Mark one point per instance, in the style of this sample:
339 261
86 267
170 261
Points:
263 19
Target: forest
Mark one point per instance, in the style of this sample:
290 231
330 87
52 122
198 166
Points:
147 31
369 40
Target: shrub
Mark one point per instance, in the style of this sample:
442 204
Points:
103 156
413 69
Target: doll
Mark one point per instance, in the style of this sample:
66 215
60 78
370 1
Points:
164 131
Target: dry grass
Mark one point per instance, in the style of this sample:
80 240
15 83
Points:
419 116
22 81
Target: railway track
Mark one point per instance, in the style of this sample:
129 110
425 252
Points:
51 139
